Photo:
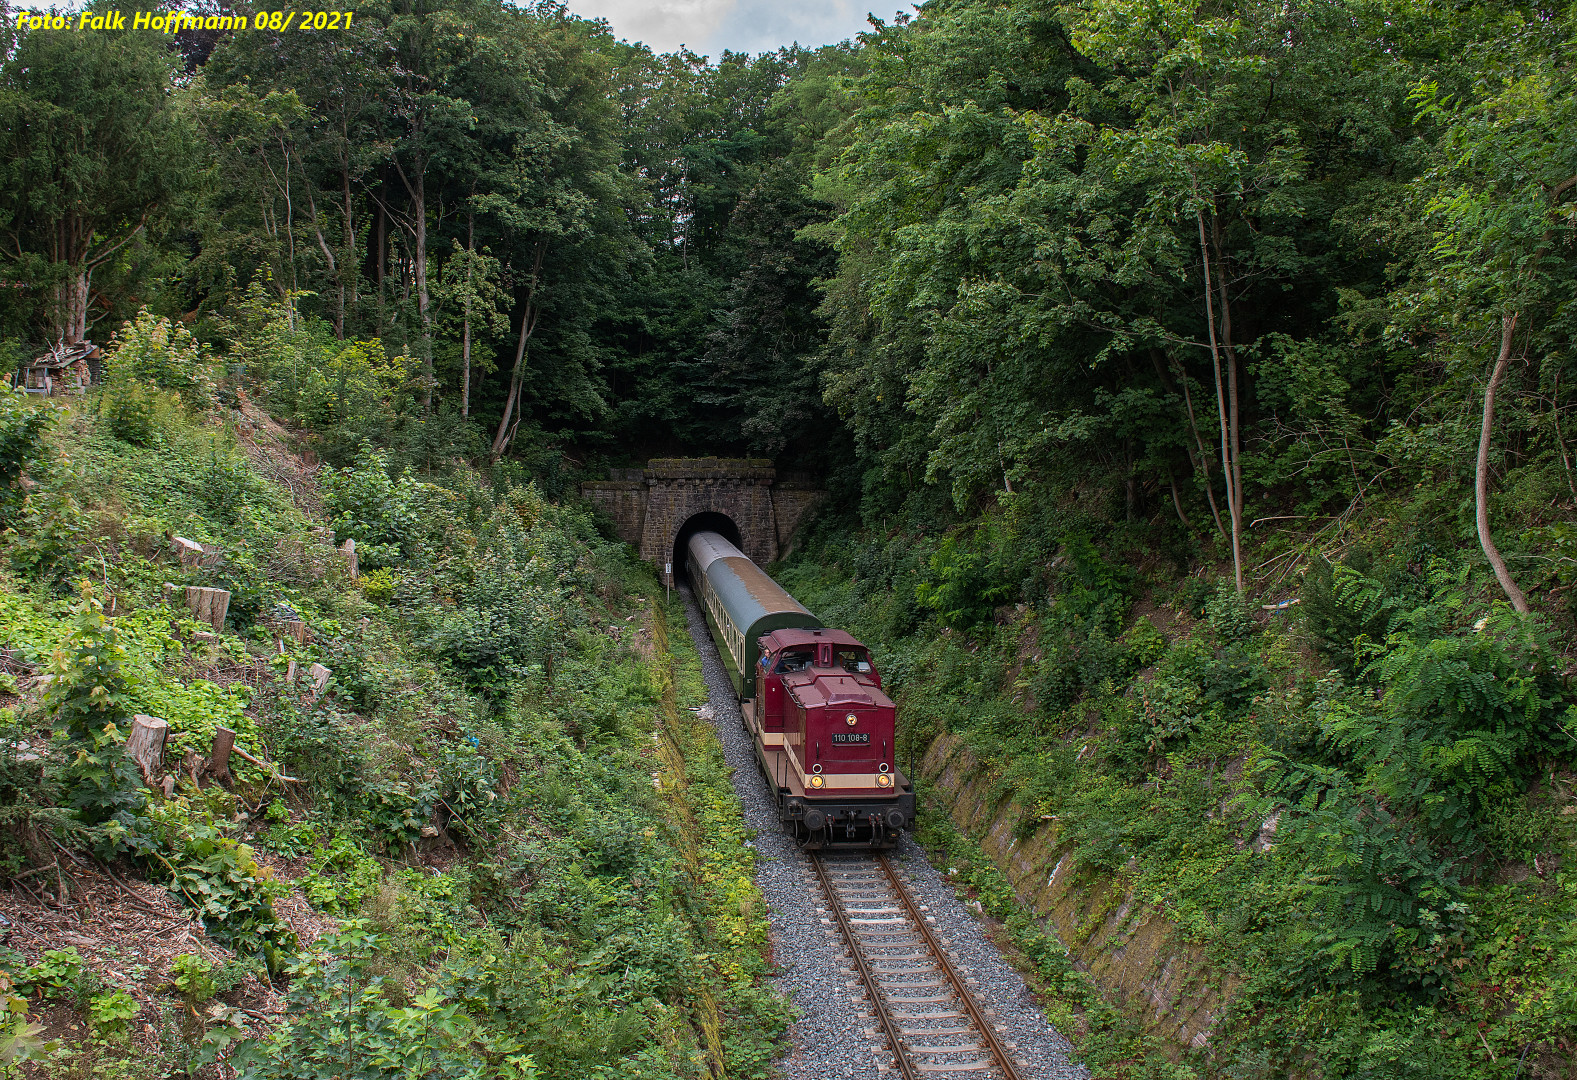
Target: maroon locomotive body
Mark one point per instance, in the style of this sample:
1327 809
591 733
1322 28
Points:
825 733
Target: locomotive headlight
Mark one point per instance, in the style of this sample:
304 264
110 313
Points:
851 719
817 782
884 780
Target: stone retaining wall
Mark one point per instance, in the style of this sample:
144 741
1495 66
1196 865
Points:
1134 954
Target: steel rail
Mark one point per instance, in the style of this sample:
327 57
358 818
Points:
988 1031
872 990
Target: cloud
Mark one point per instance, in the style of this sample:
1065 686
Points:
710 26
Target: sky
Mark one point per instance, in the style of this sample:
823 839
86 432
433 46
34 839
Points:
710 26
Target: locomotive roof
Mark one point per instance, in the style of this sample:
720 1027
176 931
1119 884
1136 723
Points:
836 691
779 639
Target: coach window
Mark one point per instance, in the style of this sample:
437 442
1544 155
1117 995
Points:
795 660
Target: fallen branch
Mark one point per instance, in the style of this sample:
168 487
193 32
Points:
136 897
261 764
35 870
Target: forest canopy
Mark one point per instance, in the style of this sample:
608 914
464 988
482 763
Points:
1237 261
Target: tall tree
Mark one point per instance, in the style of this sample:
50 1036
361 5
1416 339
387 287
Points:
1503 199
93 155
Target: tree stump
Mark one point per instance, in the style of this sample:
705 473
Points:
290 673
219 760
208 605
145 745
299 630
320 679
189 551
352 565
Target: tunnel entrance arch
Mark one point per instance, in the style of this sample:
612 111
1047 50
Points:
705 521
651 507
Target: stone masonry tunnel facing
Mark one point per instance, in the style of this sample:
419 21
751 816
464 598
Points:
655 507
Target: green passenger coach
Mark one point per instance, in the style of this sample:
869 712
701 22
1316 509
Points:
741 603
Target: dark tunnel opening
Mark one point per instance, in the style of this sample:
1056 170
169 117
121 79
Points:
706 521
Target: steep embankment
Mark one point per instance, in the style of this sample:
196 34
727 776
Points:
474 829
1141 960
1327 831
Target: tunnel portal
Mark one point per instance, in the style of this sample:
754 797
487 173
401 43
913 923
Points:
657 509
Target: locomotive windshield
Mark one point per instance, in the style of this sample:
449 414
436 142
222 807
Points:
852 660
796 659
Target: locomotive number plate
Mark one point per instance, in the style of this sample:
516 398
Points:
852 737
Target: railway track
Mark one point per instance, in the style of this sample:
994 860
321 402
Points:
922 1006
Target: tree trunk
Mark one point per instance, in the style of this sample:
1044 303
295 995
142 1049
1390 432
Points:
1227 426
351 268
71 299
1201 464
381 230
528 324
1232 402
416 226
328 254
465 340
1508 326
219 759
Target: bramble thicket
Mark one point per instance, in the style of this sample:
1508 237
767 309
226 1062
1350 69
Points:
1192 387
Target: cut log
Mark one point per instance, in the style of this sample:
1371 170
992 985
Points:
145 745
208 605
320 679
219 760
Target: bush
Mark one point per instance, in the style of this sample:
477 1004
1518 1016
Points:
381 513
23 427
963 585
130 409
154 352
193 976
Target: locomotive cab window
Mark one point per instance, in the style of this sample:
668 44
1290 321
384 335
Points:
795 659
853 660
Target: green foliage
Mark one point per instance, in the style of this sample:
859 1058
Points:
1230 615
131 410
1336 844
342 877
23 427
60 973
343 1026
379 512
193 976
961 587
112 1012
1345 610
220 878
378 585
155 352
89 686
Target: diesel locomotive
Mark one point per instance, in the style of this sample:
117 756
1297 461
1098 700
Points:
812 701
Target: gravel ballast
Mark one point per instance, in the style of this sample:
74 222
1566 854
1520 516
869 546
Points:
832 1038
